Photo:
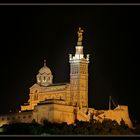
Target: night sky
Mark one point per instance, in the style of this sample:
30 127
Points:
30 34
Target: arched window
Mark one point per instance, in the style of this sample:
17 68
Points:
35 97
44 79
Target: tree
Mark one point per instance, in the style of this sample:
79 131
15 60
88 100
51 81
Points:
94 127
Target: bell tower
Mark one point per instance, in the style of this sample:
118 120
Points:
79 74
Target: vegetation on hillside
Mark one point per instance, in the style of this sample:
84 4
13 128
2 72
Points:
94 127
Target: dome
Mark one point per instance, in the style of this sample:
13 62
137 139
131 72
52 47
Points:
44 77
45 69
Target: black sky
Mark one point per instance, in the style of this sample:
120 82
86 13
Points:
30 34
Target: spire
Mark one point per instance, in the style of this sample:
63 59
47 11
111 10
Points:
80 36
44 62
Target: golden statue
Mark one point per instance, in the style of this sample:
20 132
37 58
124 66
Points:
80 36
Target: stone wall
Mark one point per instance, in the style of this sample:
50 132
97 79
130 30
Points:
57 111
117 114
54 112
24 117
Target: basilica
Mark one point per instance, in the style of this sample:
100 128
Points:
64 102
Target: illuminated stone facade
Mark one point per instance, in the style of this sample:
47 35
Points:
64 102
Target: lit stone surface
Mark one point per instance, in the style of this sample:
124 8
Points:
64 102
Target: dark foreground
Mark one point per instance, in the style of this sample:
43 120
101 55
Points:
107 127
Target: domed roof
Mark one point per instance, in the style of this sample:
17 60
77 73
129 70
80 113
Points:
45 69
